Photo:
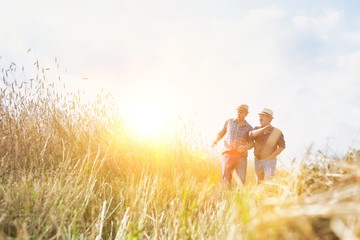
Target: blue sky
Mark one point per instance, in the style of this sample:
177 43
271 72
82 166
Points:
203 58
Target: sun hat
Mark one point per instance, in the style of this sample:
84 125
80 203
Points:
267 112
243 107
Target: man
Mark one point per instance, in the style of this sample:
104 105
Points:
268 144
236 144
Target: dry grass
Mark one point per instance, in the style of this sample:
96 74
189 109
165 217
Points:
72 171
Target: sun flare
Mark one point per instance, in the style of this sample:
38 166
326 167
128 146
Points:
146 120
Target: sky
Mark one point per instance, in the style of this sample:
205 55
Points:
201 59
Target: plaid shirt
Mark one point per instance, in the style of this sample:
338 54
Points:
235 134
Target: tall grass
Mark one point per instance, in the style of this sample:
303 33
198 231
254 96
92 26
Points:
72 170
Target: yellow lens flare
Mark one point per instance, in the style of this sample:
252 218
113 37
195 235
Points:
146 120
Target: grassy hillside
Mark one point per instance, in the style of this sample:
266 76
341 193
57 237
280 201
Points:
70 170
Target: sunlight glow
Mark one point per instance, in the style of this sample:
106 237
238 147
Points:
147 119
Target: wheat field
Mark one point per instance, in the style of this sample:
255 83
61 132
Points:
72 170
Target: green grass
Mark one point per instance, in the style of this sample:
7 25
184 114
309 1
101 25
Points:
70 170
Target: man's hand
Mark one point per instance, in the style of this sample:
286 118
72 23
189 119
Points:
242 148
267 128
276 153
213 144
263 130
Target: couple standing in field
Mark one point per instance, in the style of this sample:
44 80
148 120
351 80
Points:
240 136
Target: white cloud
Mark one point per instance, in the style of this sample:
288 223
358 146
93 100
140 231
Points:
352 37
357 20
263 14
350 63
327 21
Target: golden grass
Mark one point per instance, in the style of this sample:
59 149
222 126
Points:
73 171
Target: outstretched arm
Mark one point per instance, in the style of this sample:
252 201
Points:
220 135
257 132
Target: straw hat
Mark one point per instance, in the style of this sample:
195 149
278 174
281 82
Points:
243 107
267 112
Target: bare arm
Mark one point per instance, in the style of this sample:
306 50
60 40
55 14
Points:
220 135
246 147
276 152
280 145
257 132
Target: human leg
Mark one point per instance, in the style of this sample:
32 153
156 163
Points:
227 167
269 168
259 170
241 168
